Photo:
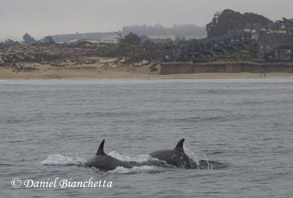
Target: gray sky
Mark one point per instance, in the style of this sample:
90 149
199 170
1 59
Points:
49 17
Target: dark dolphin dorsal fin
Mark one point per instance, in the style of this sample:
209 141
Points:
101 149
179 146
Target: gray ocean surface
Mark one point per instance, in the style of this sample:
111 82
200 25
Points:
49 128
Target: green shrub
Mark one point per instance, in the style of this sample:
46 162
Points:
243 55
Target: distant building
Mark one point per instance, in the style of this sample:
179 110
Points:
193 37
114 39
270 42
162 38
78 41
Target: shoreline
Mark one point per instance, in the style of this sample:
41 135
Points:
86 61
120 73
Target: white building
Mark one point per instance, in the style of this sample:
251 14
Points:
114 39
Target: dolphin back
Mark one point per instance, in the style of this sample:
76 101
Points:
101 148
175 157
179 146
104 162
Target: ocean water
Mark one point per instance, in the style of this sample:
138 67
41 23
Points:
49 128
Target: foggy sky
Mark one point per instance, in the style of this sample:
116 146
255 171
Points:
49 17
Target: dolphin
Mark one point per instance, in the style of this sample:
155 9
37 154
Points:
104 162
175 157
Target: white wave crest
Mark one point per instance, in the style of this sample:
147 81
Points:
58 159
201 161
190 154
137 169
138 158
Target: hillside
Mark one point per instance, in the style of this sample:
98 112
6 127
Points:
65 38
232 20
178 30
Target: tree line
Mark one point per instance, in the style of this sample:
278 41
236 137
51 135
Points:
29 40
227 20
178 30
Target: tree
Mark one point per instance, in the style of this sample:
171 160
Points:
148 42
286 21
28 39
178 39
11 42
231 20
132 38
48 40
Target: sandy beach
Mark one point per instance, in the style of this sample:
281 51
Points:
125 72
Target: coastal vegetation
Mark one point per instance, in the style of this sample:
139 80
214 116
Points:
228 19
243 55
130 50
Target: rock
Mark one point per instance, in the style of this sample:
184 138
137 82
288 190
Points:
90 61
144 62
21 68
136 65
28 69
153 65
